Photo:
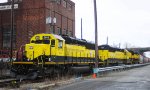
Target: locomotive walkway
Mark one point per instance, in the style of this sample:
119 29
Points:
133 79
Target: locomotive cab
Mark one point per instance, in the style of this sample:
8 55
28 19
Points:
47 48
43 50
38 47
44 47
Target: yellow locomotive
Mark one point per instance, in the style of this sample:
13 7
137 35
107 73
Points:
53 54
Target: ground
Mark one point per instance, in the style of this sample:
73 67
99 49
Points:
134 79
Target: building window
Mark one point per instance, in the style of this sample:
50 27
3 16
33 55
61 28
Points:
69 6
6 37
70 33
64 3
64 32
52 29
58 1
59 30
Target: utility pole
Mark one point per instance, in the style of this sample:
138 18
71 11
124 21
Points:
96 34
126 45
107 40
81 29
119 45
12 29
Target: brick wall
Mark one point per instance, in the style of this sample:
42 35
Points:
31 16
65 17
4 22
30 20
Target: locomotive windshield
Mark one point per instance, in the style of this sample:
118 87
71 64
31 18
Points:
41 41
45 40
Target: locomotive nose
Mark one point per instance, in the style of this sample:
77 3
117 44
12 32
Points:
30 51
34 51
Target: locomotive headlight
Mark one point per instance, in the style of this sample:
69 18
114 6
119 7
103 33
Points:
31 47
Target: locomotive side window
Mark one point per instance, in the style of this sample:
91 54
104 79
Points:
38 42
32 41
37 38
41 41
60 43
46 41
53 43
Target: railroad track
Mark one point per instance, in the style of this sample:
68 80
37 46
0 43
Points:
9 83
15 83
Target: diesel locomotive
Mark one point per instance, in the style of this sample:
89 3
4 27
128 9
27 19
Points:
53 54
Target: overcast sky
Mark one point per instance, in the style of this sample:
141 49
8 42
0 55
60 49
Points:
123 21
3 0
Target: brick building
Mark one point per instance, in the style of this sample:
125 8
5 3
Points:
35 16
